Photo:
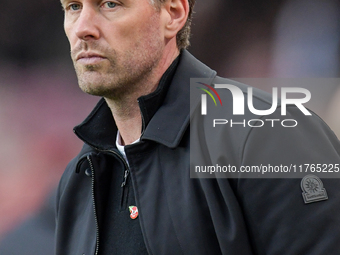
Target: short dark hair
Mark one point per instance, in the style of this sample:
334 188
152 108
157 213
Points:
183 35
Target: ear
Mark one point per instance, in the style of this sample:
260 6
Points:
176 14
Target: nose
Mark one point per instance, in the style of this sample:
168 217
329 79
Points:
87 25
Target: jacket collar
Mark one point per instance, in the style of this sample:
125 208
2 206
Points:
165 112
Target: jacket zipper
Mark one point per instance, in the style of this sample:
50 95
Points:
126 174
94 205
124 196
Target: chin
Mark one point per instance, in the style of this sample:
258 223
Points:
95 87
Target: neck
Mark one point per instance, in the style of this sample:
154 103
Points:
125 110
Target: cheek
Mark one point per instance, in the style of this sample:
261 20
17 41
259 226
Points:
119 37
69 28
71 39
129 37
133 27
68 32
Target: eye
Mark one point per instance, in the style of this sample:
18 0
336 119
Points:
74 7
110 5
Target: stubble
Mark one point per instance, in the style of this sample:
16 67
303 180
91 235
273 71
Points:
122 73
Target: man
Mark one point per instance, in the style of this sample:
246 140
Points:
129 190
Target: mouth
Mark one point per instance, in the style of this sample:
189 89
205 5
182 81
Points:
89 58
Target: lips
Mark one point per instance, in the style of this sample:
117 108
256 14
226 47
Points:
89 58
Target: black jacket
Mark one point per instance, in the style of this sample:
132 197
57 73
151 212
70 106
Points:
182 215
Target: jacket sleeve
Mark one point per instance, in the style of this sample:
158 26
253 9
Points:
278 219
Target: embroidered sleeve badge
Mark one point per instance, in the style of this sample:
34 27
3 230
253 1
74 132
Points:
313 190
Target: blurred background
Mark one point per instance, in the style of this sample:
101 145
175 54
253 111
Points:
40 101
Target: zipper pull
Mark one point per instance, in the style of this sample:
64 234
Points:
126 174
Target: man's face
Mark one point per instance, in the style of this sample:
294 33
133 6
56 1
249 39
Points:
113 44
